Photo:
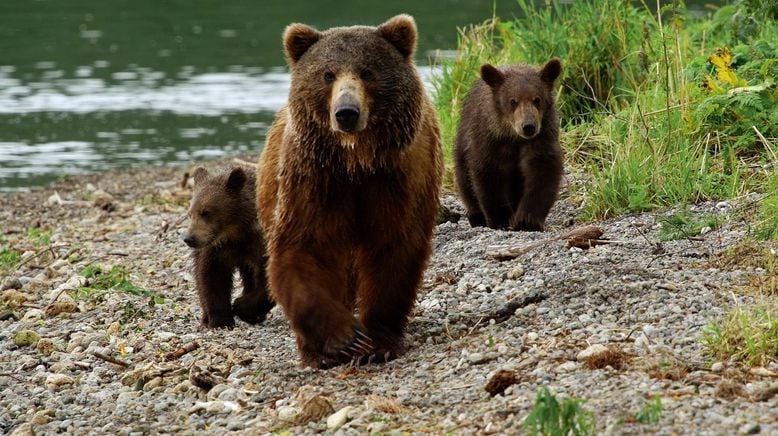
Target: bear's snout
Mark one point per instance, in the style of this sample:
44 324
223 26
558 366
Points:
528 128
190 240
347 117
348 110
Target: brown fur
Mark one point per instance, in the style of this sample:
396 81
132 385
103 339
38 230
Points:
507 153
348 203
225 236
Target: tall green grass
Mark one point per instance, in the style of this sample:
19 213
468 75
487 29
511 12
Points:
647 117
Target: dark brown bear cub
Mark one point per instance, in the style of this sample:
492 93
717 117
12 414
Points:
348 190
508 157
224 234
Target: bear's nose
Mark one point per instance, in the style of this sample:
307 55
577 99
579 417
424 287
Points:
528 129
347 118
190 241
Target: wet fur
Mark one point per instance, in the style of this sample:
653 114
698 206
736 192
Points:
505 179
349 217
226 239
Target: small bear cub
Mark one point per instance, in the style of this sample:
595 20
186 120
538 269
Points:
508 160
224 234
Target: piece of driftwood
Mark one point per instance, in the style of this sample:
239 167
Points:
110 359
582 237
188 348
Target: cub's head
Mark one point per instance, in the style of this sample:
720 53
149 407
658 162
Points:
215 211
523 96
355 81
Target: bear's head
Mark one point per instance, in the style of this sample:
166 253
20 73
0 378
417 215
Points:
216 208
355 86
523 96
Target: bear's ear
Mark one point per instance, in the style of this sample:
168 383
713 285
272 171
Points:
298 38
199 175
551 71
400 31
492 76
236 180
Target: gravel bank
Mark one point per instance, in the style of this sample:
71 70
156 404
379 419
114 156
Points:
643 298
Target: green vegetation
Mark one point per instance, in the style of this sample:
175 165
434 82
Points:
549 417
683 225
767 227
100 281
749 334
39 237
8 258
657 109
651 413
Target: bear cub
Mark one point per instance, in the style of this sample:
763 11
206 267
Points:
508 160
224 235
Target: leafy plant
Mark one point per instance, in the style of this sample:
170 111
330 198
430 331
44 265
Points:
8 258
748 334
116 279
651 413
682 225
39 237
550 417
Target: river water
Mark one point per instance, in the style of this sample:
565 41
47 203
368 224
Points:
90 85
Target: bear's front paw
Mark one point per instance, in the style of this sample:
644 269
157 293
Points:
352 351
251 310
214 322
523 222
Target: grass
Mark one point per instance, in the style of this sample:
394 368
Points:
116 279
8 258
552 418
651 413
767 223
657 109
682 225
39 237
749 332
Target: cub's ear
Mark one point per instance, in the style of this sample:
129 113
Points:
199 175
400 31
298 38
492 76
551 71
236 180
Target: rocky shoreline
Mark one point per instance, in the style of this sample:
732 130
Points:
132 360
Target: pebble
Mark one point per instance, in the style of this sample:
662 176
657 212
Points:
337 419
592 350
56 382
288 413
717 367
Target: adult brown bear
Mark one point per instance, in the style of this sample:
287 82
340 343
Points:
349 182
507 153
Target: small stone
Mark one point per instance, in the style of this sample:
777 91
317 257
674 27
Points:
717 367
25 338
584 318
42 417
722 205
114 329
46 347
62 305
516 272
12 283
476 358
14 298
56 381
288 413
592 350
750 428
153 383
5 315
568 366
532 336
32 316
23 430
230 394
762 372
215 407
337 419
649 330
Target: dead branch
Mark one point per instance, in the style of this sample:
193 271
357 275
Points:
509 309
188 348
110 359
584 233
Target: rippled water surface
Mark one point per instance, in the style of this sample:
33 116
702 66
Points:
88 85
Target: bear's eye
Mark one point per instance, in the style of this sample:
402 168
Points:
367 75
329 77
514 102
205 213
536 101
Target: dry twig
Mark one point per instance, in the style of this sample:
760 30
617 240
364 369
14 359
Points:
584 233
188 348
